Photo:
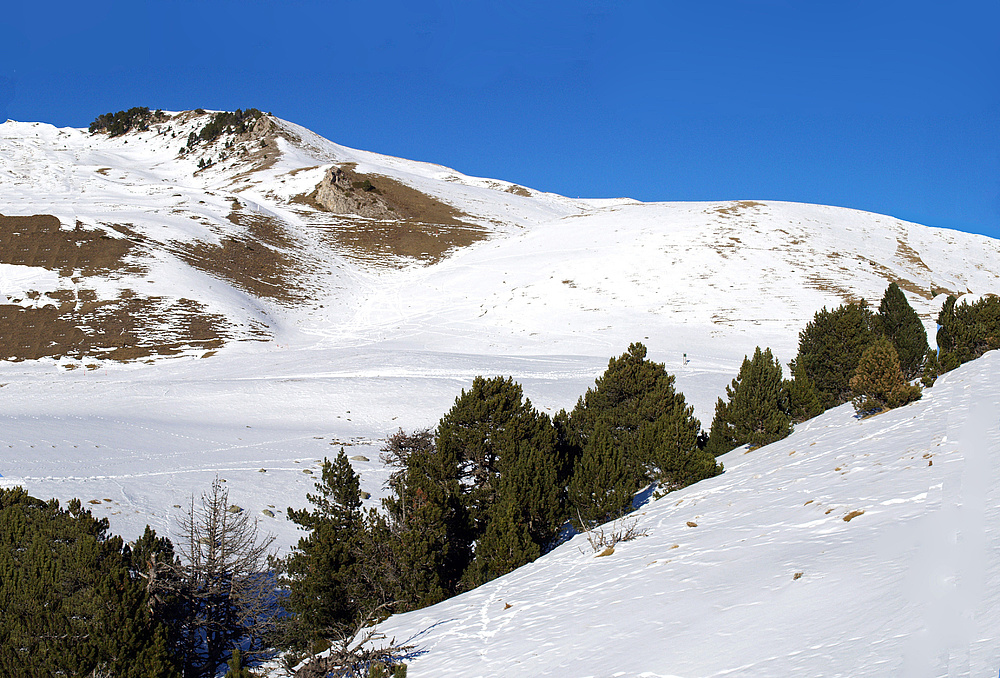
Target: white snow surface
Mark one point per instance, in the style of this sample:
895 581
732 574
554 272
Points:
558 288
759 572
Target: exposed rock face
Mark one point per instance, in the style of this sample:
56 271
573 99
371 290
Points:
343 192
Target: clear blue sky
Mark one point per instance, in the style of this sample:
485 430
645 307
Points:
892 107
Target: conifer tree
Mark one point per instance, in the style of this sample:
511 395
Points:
897 320
429 527
507 453
966 331
879 383
236 668
71 602
803 399
321 570
757 411
830 347
649 433
603 485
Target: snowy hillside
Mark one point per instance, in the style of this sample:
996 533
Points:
852 548
166 322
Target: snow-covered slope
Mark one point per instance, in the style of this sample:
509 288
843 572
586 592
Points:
194 321
851 548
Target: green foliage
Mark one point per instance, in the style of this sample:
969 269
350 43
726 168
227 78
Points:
603 483
632 427
897 320
381 670
879 383
72 598
225 122
931 369
507 456
803 398
429 526
757 412
967 331
236 668
321 570
116 124
830 348
367 186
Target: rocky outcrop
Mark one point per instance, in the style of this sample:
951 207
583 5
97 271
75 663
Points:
344 192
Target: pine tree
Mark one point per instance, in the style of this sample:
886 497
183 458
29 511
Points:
430 529
879 383
757 411
803 398
897 320
967 331
602 486
651 434
507 453
321 570
70 601
830 347
236 668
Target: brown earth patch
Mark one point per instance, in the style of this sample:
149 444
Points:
374 241
384 218
519 190
736 208
39 240
253 267
125 329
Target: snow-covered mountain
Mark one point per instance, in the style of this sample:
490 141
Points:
245 304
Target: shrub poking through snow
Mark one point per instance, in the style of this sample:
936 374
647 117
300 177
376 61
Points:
879 384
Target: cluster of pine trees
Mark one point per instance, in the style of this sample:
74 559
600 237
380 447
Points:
846 354
77 601
116 124
486 492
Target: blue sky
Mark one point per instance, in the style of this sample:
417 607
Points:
892 107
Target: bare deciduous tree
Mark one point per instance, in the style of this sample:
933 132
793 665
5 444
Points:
223 581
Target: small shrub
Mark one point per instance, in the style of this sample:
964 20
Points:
625 530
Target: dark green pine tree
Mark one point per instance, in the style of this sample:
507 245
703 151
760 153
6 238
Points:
321 570
803 399
603 485
236 668
757 411
652 435
70 602
527 512
967 331
830 347
506 451
429 527
897 320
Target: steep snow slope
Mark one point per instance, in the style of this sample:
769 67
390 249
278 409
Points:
247 328
852 548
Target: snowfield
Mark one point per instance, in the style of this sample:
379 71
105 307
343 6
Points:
347 343
851 548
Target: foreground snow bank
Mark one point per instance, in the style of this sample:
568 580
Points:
851 548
